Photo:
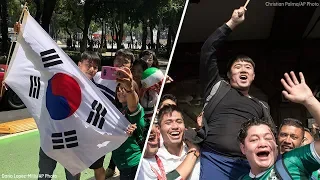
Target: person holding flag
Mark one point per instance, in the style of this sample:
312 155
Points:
227 104
76 122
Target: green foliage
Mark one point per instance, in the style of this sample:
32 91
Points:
123 17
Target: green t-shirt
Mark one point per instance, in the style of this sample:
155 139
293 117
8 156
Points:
316 175
129 153
300 163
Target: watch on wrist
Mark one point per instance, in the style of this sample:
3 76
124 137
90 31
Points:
194 151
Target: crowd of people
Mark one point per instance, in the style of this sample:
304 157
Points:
236 137
134 93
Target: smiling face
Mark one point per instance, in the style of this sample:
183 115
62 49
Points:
88 67
241 75
260 148
290 137
121 94
137 72
153 142
148 59
172 128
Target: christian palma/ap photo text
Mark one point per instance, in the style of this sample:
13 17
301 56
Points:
292 4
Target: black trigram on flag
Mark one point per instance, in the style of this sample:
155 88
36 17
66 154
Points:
97 115
63 140
34 87
50 58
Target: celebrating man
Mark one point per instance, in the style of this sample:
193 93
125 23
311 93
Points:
258 143
219 156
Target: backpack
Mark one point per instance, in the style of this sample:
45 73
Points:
217 93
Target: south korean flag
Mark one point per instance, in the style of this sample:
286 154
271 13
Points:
77 123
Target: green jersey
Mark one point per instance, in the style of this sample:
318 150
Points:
316 175
300 163
129 153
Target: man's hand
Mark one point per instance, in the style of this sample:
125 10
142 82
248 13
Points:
199 121
315 126
193 146
295 91
169 79
124 77
237 17
131 128
17 27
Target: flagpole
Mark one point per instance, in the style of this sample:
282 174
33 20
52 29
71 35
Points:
25 8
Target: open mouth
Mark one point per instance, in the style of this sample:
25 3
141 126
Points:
286 148
263 154
243 77
152 139
175 134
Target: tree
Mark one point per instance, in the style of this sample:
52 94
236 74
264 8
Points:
44 12
172 11
88 10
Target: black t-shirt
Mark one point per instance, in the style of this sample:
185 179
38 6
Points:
225 122
234 109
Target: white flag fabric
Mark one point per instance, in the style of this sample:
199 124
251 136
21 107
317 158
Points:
77 123
107 87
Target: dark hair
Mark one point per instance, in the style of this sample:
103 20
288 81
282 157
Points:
168 109
141 63
243 132
308 130
116 102
292 122
125 53
91 56
168 96
240 58
154 57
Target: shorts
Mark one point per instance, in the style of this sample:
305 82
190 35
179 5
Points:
98 164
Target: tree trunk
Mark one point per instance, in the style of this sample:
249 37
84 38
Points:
87 12
105 36
48 8
84 42
39 10
4 26
158 35
169 43
174 26
112 35
144 33
120 33
158 41
151 35
102 35
116 34
131 35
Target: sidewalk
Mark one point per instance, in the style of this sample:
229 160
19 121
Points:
19 156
